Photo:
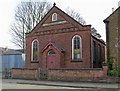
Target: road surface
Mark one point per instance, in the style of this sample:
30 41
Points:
9 84
28 86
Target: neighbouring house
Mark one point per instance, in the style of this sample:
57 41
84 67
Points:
63 47
10 58
112 23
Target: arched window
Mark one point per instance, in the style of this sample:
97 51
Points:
54 17
76 48
35 50
51 52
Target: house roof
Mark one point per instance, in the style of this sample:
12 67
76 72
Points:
6 51
100 40
105 20
63 14
56 45
1 50
66 17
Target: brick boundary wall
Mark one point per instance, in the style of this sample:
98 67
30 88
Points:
78 74
64 74
24 73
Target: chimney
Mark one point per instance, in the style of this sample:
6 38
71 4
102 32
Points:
119 4
112 10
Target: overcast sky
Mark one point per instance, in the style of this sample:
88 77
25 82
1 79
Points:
93 12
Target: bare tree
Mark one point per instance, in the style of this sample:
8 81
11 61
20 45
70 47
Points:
95 33
75 15
79 18
27 15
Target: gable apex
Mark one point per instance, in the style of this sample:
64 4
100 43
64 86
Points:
54 4
61 13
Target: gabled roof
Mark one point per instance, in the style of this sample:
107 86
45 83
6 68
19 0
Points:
57 46
63 14
105 20
6 51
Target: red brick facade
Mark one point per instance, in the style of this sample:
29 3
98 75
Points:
57 36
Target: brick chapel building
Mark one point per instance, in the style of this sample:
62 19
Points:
59 41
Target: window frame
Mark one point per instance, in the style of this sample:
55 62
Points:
80 48
35 40
54 17
51 52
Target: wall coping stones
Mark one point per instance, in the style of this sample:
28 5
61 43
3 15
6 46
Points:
76 69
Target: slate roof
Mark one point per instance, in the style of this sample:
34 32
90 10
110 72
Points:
55 45
2 50
105 20
5 51
58 46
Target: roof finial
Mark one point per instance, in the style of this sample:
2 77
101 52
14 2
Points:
54 4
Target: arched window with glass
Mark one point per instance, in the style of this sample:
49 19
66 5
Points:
51 52
54 17
76 48
35 50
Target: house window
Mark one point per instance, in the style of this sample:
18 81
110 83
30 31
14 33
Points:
76 48
54 17
94 52
99 56
35 50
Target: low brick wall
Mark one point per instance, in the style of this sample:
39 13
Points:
24 73
77 74
64 74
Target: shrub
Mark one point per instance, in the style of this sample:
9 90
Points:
113 72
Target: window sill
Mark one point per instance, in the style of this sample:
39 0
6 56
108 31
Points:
35 61
76 61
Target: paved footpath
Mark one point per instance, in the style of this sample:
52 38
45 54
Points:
65 84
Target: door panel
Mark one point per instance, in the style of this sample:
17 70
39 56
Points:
51 59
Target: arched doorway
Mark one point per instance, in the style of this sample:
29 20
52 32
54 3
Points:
52 56
51 59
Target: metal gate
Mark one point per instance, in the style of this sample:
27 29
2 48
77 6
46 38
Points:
43 74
